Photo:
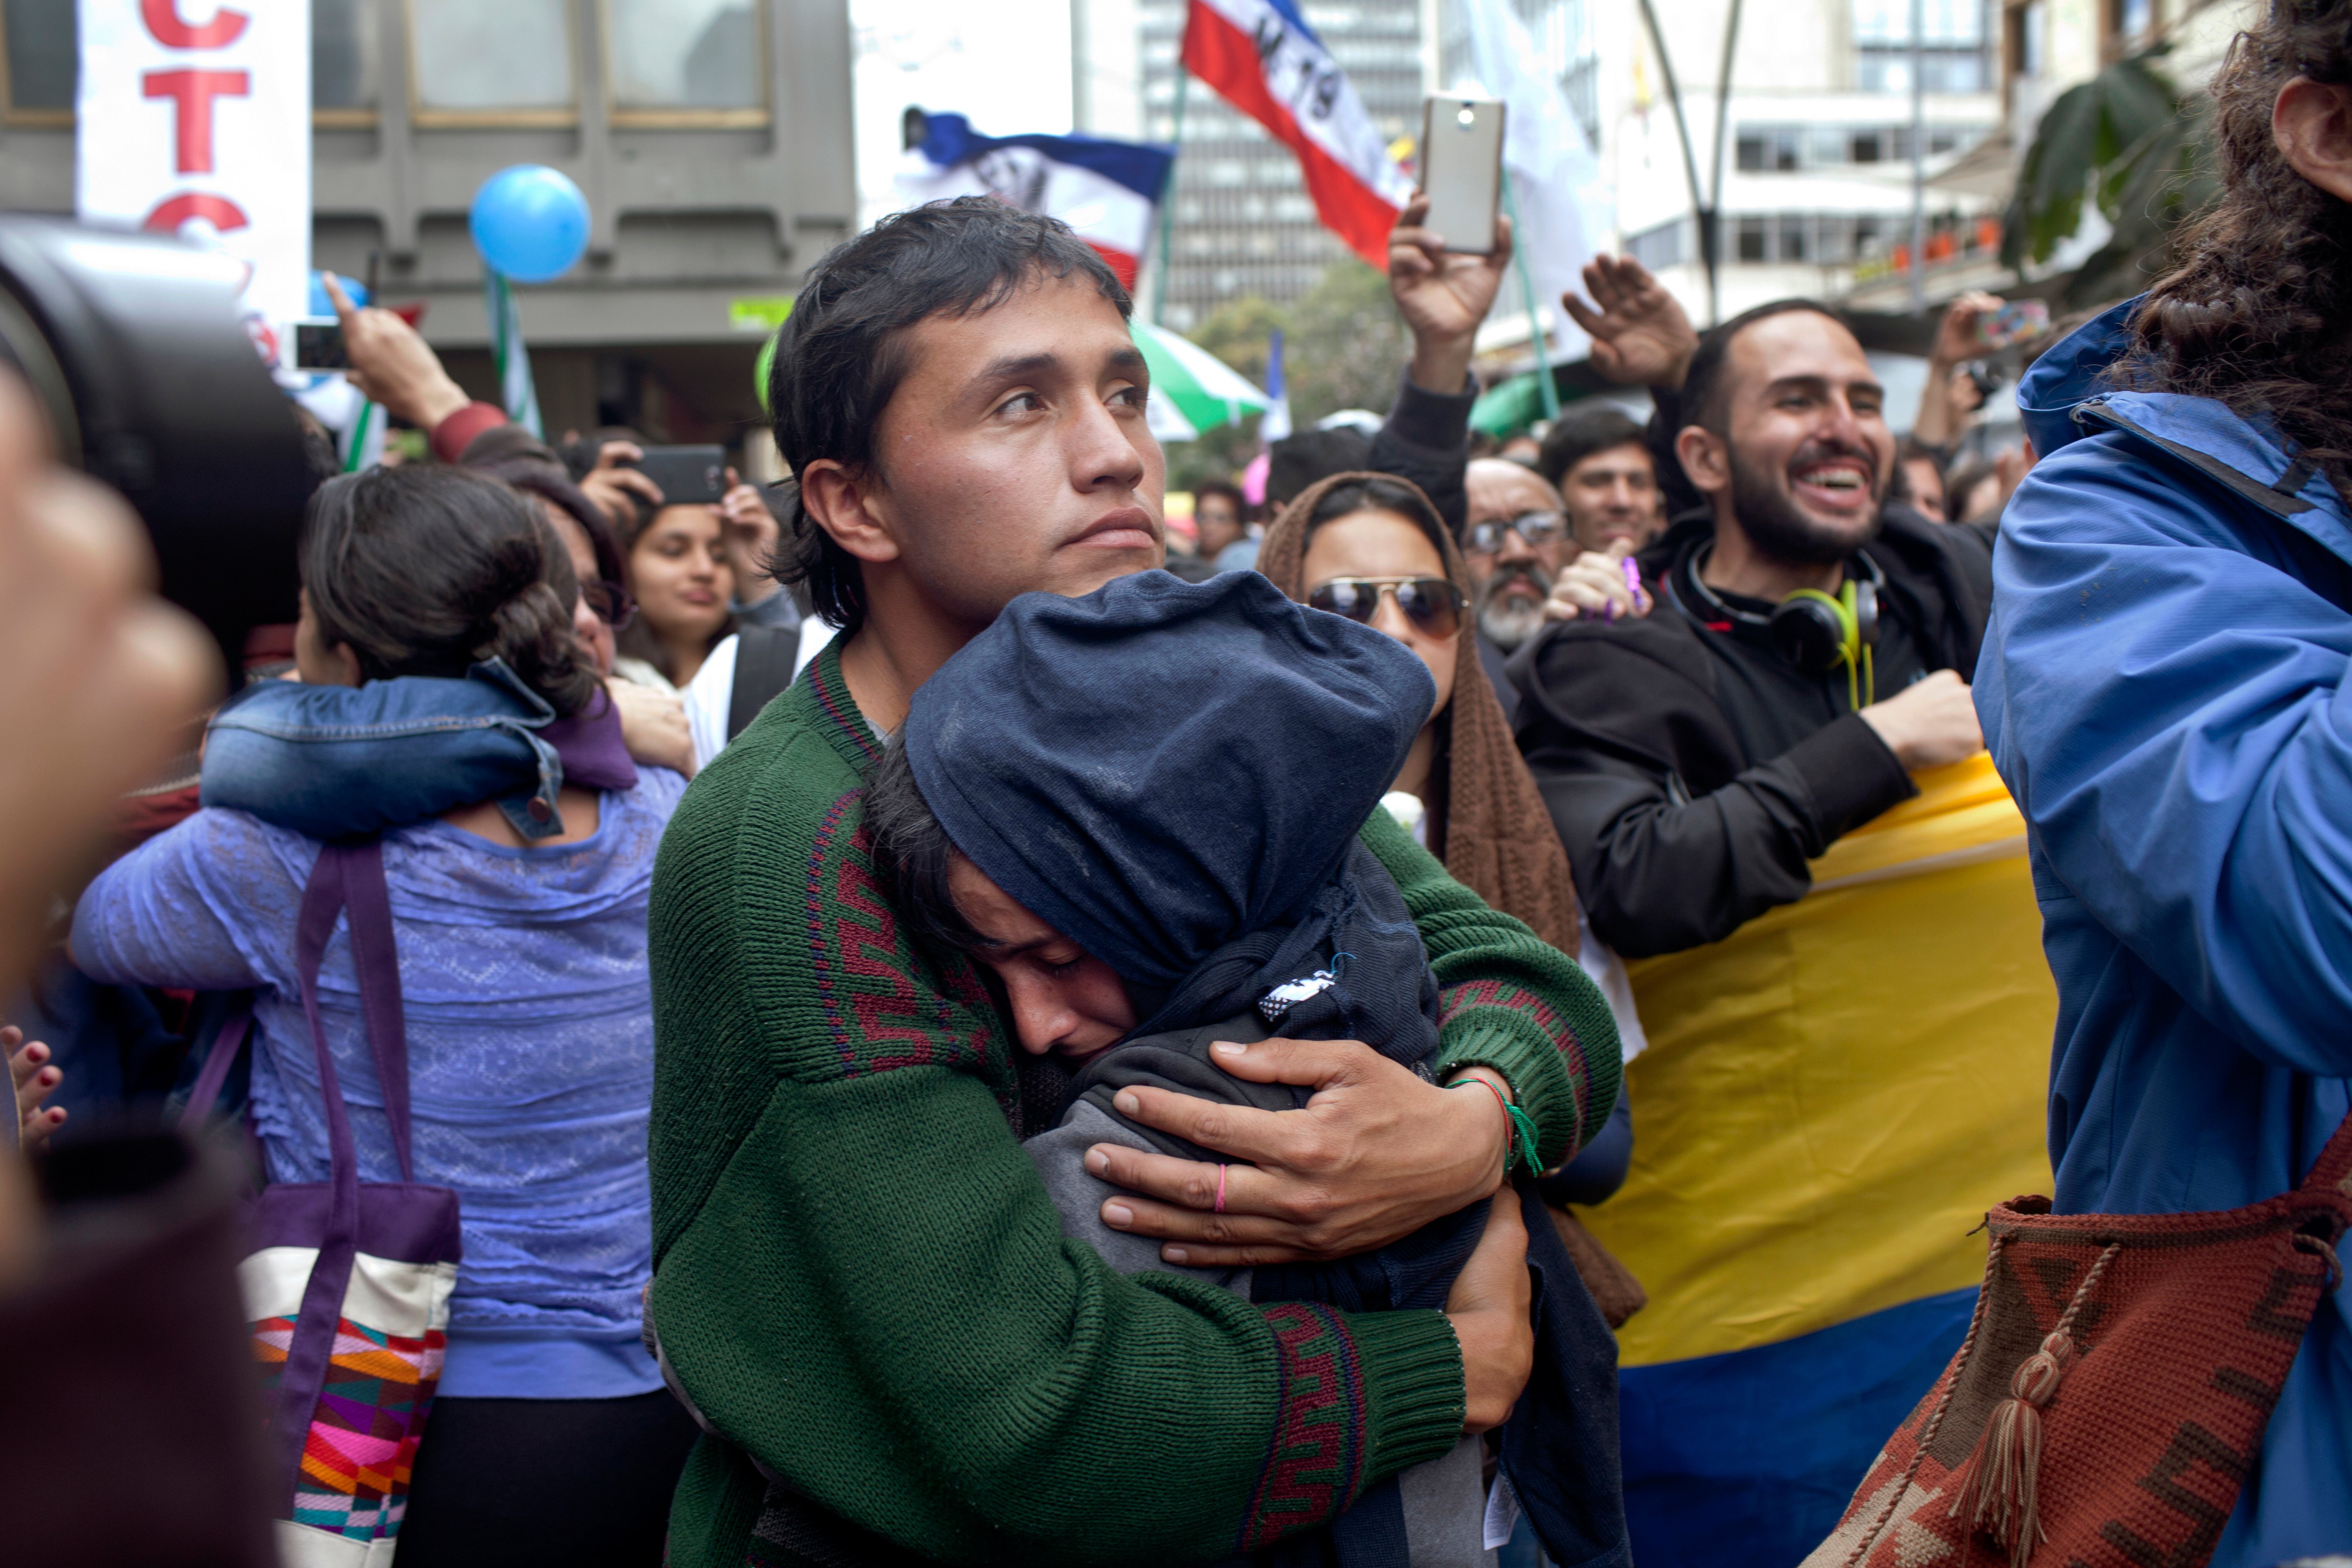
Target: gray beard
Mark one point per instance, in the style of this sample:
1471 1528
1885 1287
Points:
1508 623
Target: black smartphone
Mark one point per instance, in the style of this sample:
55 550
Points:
686 474
319 346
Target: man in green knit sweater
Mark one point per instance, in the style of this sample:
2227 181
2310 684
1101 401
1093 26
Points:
861 1285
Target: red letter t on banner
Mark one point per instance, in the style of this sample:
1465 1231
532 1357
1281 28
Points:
193 91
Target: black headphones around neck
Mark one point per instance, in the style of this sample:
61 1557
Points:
1817 632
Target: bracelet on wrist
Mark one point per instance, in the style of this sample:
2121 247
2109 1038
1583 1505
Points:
1515 1120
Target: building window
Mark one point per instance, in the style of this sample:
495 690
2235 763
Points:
1952 46
684 61
1786 148
507 64
2130 19
2028 41
1663 247
42 51
343 36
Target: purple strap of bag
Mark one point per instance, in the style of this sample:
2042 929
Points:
406 1221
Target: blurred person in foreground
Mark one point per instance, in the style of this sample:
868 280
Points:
521 934
807 1047
119 1285
2164 688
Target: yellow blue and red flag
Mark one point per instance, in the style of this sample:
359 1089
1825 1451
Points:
1831 1098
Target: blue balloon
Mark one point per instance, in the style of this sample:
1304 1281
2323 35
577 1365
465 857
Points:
530 223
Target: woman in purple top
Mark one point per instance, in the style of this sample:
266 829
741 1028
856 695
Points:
530 1026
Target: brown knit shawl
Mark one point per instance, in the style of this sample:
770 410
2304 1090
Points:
1489 826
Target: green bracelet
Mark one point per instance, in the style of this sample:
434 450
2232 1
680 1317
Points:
1521 1120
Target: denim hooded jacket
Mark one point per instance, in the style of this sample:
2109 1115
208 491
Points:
337 762
2164 688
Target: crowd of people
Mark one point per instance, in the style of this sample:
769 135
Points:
864 1022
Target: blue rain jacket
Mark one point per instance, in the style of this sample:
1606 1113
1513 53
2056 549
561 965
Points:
2163 687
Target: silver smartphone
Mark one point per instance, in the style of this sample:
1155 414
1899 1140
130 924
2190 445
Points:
1462 170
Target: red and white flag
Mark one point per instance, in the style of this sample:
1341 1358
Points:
1262 59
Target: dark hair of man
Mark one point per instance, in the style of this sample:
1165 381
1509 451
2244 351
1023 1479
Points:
1295 462
1579 432
1705 389
1231 493
1379 495
913 855
2260 314
842 353
428 570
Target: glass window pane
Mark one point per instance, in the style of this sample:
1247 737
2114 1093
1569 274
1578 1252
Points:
469 56
41 54
342 54
684 54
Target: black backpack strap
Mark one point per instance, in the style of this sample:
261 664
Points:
763 667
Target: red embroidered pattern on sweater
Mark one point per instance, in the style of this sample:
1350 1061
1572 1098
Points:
1315 1465
863 973
1456 1000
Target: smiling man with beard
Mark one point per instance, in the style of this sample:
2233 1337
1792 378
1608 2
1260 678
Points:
1812 647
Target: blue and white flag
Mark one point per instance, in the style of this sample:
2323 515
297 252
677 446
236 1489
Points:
1275 423
1108 192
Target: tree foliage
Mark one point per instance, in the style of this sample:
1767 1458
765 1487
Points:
1343 347
2129 142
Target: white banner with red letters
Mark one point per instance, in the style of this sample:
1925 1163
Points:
193 117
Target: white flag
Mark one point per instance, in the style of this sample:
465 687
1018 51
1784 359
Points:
1562 208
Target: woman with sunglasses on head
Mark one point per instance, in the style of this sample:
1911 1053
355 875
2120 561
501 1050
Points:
1373 549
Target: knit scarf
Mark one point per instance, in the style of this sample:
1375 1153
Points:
1487 824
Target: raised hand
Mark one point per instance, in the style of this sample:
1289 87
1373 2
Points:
1444 296
393 364
616 487
1641 336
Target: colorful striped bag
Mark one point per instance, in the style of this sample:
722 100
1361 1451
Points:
347 1287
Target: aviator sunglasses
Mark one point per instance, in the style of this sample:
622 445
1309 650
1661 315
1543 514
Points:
611 602
1432 605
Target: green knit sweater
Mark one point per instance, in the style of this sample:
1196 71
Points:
860 1280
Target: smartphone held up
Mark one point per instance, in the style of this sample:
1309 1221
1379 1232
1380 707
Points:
1462 170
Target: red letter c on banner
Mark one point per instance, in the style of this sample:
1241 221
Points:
172 211
163 19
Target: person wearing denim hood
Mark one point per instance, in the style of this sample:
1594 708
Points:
2164 689
1209 864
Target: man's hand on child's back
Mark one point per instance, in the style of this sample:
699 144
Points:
1378 1152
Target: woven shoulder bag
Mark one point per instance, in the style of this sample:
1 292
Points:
2110 1397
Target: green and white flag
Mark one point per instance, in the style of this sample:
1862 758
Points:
1195 385
506 350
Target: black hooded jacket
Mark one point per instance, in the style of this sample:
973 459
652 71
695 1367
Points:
1692 771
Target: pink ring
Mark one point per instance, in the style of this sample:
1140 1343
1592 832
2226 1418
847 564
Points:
1221 1190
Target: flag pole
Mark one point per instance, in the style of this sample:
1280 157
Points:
1168 193
1527 288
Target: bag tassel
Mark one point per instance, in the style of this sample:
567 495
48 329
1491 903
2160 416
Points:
1999 1496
